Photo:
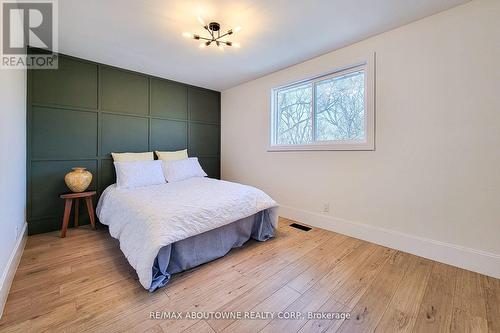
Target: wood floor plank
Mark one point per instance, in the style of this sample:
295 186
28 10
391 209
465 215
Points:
469 304
341 272
319 325
274 260
83 283
320 292
402 311
352 289
276 302
436 309
325 259
64 290
275 282
491 288
27 279
95 315
309 302
200 327
154 329
203 298
367 313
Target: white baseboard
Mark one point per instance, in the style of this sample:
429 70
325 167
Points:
11 268
474 260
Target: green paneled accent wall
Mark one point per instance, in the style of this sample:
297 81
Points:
169 100
83 111
123 133
168 134
203 107
73 84
124 92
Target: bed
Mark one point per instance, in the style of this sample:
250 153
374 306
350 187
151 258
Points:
168 228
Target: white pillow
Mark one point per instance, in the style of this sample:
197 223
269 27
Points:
178 170
139 173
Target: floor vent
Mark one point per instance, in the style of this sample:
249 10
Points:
300 226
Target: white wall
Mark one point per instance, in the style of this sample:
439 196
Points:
435 173
13 161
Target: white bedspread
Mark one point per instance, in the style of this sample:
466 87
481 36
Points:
146 219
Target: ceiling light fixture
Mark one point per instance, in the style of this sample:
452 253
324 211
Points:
215 37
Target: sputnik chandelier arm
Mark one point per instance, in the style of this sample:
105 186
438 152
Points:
215 37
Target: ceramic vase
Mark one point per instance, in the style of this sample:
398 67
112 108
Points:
78 180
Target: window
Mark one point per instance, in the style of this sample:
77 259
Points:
331 112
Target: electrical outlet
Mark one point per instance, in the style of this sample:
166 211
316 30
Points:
326 207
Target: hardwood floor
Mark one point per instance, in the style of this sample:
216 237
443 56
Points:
84 283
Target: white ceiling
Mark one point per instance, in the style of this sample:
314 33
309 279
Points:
145 35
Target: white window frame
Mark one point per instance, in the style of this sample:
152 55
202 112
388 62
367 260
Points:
368 65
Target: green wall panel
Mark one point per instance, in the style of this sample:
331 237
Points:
38 226
204 105
74 83
47 183
168 99
124 92
107 174
211 165
204 139
123 134
83 111
168 135
64 133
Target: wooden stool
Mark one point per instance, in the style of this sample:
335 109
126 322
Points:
67 208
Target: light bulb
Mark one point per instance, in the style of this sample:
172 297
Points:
237 29
187 35
202 45
237 45
221 47
201 21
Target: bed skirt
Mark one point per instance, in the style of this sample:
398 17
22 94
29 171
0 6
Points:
208 246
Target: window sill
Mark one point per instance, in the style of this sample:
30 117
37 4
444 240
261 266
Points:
323 147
